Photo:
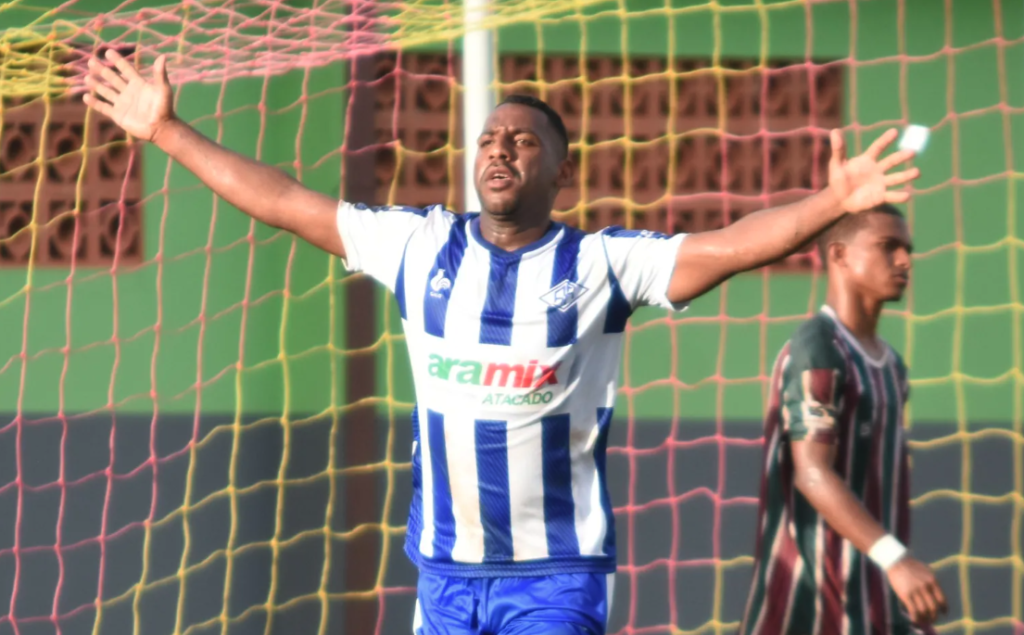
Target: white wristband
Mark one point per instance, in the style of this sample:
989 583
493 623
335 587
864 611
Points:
887 551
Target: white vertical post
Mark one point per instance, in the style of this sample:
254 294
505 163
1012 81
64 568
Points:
478 94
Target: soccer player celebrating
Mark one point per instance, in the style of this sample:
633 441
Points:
835 485
514 325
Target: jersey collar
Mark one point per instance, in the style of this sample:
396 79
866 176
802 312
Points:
854 342
535 246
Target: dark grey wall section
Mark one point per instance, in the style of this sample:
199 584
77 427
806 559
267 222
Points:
645 594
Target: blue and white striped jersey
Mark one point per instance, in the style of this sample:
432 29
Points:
515 358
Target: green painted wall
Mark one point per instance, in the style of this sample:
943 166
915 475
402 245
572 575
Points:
962 336
197 283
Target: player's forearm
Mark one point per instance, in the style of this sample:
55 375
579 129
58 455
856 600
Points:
828 494
269 195
257 189
766 236
706 259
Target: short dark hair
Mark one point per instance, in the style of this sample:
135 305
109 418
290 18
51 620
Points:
848 225
538 104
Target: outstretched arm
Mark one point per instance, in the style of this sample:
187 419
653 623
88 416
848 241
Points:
143 107
707 259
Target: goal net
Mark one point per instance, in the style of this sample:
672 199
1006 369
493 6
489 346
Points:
204 423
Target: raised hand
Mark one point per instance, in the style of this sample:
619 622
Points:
141 106
863 182
916 586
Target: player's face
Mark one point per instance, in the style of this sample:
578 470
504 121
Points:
877 258
519 162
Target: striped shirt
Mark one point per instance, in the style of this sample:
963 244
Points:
808 580
515 358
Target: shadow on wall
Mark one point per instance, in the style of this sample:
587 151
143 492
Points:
181 562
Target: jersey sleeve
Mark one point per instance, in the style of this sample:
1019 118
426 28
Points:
642 262
813 385
375 237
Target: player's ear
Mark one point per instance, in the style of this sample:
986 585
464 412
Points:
566 171
836 253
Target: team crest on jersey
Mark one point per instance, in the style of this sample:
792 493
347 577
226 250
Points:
564 295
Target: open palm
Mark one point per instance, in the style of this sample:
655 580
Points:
139 105
863 182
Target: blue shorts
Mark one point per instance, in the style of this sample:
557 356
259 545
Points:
565 604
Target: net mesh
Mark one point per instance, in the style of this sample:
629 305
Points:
207 421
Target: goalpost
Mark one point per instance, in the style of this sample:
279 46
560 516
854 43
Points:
478 89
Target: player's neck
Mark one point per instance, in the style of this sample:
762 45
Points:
859 315
511 234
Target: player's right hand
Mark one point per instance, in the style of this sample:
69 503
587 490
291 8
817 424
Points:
916 586
141 106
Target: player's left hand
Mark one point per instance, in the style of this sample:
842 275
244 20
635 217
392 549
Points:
863 182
